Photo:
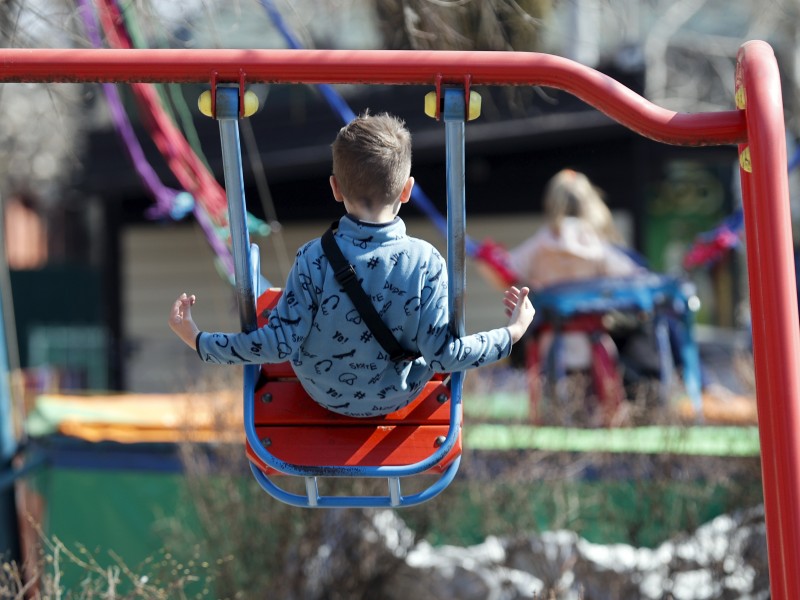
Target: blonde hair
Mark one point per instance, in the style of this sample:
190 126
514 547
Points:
372 159
571 194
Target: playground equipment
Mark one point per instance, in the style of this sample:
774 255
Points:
666 304
311 442
756 127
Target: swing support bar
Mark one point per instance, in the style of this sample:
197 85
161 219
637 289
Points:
756 126
226 103
391 67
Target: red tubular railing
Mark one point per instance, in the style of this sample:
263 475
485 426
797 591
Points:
395 67
773 301
758 128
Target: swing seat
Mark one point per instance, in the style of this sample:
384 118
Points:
580 307
298 432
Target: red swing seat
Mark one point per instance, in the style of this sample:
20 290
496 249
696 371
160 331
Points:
301 432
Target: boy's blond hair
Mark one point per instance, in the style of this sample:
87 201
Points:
571 194
372 159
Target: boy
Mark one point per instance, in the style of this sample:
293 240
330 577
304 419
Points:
315 325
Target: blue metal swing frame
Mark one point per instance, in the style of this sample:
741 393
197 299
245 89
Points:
228 111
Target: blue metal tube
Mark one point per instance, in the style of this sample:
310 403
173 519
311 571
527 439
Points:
9 534
227 104
454 113
8 442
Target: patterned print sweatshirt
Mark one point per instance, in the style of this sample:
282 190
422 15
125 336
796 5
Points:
337 360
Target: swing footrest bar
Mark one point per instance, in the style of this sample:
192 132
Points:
312 491
394 499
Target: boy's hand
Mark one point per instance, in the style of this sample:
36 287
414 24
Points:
519 310
180 319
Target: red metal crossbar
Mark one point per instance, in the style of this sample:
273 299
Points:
757 127
378 67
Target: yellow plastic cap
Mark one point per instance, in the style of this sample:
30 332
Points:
204 103
430 104
250 103
474 109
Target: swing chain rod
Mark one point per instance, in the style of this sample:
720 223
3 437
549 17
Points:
454 113
228 109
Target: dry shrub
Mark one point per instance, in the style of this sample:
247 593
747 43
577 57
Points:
160 577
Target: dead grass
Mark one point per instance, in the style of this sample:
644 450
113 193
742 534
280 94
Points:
161 577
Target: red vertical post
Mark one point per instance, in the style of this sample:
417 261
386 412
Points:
776 328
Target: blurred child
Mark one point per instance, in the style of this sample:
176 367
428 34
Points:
577 241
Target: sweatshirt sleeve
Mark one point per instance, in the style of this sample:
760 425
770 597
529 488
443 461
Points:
443 350
288 325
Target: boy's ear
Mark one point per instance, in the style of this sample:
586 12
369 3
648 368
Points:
337 194
405 195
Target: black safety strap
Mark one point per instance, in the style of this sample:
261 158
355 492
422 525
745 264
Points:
346 276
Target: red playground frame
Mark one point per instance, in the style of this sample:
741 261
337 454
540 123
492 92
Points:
756 126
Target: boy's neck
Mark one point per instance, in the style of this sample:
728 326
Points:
383 214
373 214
